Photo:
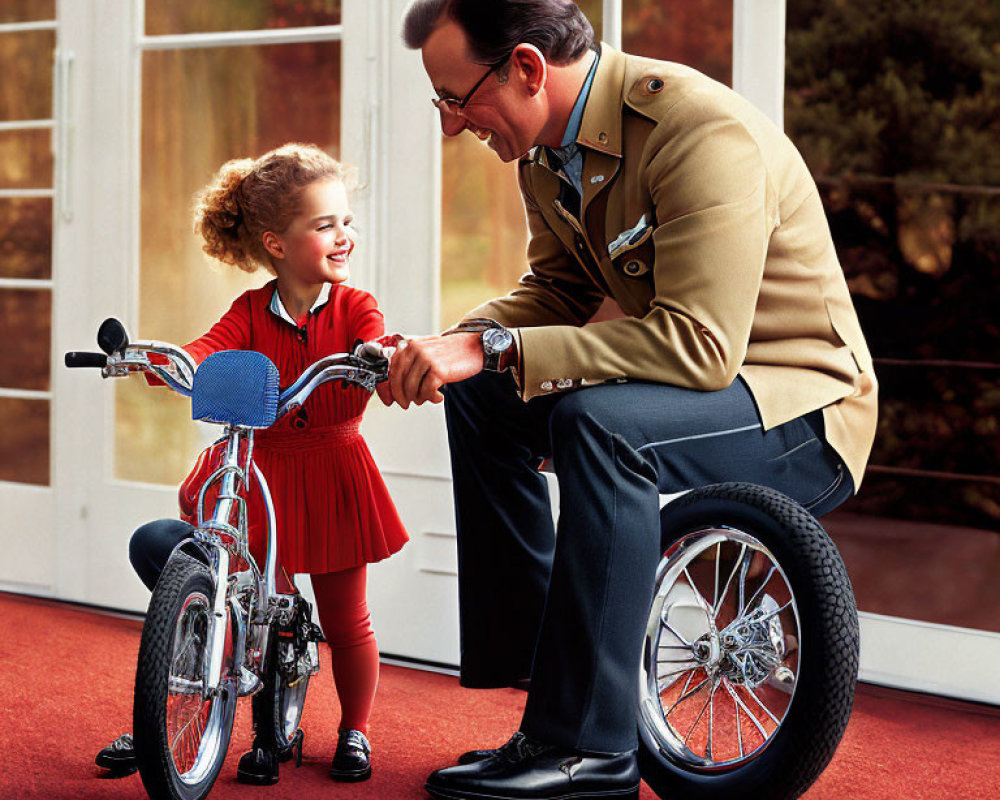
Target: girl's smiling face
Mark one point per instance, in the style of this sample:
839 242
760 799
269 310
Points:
317 244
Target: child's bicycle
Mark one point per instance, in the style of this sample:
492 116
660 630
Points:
218 627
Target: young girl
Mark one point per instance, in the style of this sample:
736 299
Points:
288 212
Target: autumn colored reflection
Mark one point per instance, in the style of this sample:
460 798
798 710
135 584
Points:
26 90
25 329
27 10
25 237
24 441
698 33
165 17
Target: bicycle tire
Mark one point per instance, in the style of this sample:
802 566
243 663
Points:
807 736
178 614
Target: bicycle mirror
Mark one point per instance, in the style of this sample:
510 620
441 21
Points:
111 336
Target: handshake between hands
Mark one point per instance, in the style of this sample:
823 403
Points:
421 365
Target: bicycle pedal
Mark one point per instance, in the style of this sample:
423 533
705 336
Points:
248 683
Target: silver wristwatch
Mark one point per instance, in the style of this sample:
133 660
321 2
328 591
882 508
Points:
496 339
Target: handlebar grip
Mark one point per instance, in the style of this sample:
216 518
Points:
79 359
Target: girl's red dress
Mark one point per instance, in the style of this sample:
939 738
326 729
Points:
332 507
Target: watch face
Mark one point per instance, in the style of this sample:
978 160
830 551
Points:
497 340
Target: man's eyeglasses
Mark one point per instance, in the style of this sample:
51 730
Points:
452 105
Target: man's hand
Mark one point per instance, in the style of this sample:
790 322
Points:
421 366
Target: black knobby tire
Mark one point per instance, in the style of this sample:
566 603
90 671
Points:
815 720
185 586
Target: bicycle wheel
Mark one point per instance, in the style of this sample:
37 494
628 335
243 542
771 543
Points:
293 658
181 733
751 651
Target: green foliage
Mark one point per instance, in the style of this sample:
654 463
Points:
895 105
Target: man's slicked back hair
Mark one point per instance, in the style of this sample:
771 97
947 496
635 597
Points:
558 28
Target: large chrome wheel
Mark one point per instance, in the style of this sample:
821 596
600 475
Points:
181 728
751 649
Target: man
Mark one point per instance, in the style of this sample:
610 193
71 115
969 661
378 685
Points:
739 357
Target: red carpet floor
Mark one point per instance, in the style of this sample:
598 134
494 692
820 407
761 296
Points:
65 678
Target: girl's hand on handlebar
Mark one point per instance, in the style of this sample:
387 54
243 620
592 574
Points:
421 366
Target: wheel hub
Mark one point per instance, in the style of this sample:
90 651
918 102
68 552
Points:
748 650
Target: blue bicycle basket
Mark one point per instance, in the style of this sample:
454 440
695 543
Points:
236 387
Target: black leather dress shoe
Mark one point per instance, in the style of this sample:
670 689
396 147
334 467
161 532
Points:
475 756
118 758
525 769
258 767
352 761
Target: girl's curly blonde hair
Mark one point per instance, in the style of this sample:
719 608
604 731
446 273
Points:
250 196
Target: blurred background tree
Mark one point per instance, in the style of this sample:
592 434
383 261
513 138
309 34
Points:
896 109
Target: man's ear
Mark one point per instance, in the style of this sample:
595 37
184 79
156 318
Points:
531 67
272 243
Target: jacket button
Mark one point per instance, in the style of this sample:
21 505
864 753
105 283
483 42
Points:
546 386
564 383
654 85
602 137
633 267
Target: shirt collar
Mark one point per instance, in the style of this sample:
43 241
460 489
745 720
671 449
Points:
278 308
576 115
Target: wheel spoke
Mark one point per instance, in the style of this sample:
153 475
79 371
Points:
739 732
685 696
747 711
661 685
766 579
711 721
698 596
670 628
732 574
761 704
744 569
700 714
715 590
774 613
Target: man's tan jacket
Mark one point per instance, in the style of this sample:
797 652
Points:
701 220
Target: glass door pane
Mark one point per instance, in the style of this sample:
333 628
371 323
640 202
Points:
907 167
164 17
27 47
202 107
698 33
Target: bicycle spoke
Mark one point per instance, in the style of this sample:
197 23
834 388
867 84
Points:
715 589
661 685
711 721
776 611
744 569
670 628
764 707
739 733
769 574
700 714
698 596
684 697
747 711
729 580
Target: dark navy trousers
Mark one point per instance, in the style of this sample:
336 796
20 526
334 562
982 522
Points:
565 605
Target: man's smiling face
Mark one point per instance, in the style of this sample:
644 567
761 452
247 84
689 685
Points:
504 110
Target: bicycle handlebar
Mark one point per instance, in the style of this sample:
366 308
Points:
76 359
366 366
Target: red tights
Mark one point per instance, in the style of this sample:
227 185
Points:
343 613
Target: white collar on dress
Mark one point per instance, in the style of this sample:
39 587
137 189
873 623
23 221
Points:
278 308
